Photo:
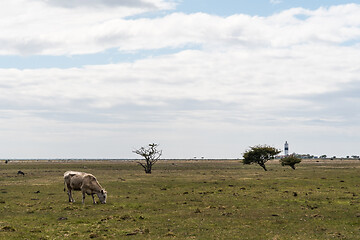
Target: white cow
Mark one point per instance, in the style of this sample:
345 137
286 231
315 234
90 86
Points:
84 182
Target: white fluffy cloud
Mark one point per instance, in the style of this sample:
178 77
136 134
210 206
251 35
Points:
42 27
244 80
143 4
249 78
36 28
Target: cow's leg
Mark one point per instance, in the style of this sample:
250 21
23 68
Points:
70 196
94 202
83 197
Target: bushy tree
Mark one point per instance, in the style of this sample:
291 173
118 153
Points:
290 160
260 154
151 155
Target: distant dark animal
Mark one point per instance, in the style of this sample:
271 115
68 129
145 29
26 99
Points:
6 161
84 182
21 173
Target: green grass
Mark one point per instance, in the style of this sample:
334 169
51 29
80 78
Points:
184 200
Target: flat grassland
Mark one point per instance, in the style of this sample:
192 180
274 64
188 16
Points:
207 199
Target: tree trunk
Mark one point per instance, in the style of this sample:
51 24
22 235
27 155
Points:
148 168
292 166
263 166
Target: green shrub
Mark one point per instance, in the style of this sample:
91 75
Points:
290 160
260 155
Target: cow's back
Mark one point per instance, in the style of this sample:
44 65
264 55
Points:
72 173
90 183
74 179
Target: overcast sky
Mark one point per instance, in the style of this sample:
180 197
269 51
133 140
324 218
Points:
100 78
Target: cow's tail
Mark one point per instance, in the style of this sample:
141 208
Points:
64 185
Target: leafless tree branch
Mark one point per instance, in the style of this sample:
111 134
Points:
150 154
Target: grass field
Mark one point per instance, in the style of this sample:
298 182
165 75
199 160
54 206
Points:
183 200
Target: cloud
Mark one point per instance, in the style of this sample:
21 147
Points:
28 46
235 84
84 31
147 4
251 80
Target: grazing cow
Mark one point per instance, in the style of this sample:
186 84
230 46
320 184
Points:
21 173
84 182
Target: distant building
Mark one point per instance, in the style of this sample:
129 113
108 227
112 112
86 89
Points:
286 148
305 156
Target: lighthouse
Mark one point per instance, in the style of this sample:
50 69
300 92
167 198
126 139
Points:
286 148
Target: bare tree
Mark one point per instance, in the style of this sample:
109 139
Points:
151 155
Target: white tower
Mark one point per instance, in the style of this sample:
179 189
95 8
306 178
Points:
286 148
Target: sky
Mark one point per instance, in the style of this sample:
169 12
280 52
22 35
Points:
202 78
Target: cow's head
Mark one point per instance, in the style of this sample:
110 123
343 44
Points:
102 195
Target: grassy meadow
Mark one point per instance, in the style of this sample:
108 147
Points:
183 200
